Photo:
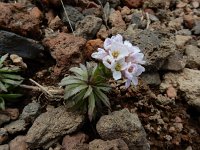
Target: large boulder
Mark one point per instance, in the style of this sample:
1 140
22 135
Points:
66 49
125 125
20 19
15 44
51 125
157 46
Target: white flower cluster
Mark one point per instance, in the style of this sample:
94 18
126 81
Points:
122 58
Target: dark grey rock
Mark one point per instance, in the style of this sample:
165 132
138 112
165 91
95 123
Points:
125 125
114 3
73 14
157 46
196 28
117 144
30 111
16 126
15 44
151 78
175 62
136 19
51 125
103 2
88 27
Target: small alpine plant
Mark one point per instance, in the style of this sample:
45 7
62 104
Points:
86 88
8 80
122 58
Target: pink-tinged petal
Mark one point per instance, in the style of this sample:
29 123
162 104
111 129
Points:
118 38
107 43
117 75
128 75
127 83
135 49
138 57
127 43
100 54
139 71
135 81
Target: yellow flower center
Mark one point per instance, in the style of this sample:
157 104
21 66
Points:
118 67
115 54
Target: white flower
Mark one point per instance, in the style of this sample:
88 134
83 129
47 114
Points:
108 41
108 61
131 48
117 67
132 72
100 54
118 51
122 58
136 58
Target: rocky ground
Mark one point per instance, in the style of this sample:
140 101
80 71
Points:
162 112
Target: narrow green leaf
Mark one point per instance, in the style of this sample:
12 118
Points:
3 87
12 82
74 91
71 81
91 105
77 100
10 96
102 97
10 69
79 73
3 58
76 70
88 92
2 104
83 67
12 76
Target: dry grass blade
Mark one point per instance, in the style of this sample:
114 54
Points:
67 17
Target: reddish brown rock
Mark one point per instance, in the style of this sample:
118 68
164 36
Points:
56 23
36 13
133 3
118 24
103 33
92 46
74 142
66 49
18 143
17 18
189 21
